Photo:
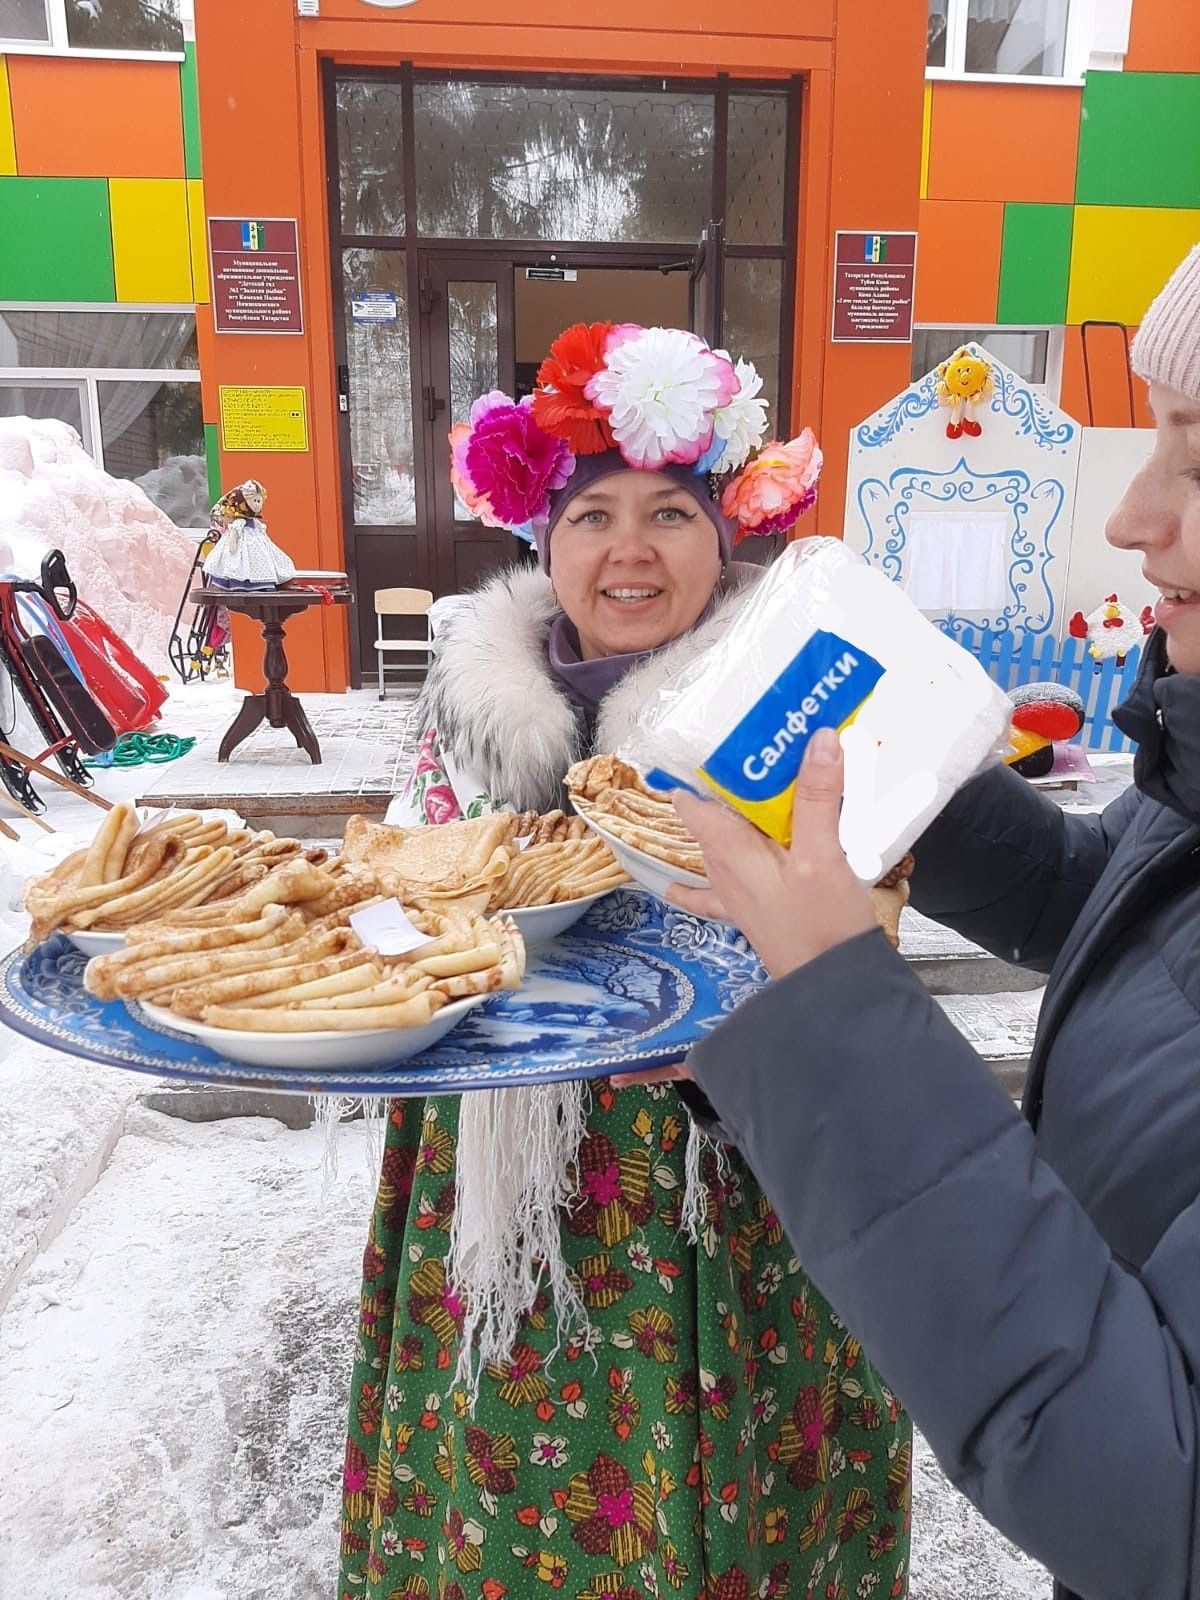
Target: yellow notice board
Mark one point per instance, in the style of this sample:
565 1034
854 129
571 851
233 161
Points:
263 418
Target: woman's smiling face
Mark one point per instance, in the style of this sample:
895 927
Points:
1160 516
634 561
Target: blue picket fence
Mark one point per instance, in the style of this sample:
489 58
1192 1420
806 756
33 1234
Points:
1013 659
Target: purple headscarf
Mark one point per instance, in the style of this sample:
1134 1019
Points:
590 469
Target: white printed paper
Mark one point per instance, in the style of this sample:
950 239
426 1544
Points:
386 928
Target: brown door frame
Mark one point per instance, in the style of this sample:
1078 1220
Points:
428 452
487 262
435 508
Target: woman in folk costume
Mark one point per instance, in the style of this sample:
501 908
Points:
587 1357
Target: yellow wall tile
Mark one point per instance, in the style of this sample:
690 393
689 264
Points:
199 240
151 251
926 133
1121 256
8 144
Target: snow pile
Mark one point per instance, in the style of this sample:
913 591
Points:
180 488
127 557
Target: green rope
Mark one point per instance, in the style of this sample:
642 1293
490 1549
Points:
135 749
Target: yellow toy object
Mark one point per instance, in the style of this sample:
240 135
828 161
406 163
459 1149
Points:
963 383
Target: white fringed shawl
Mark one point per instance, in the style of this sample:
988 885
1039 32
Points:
506 729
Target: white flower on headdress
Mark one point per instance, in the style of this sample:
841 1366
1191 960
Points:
661 387
741 424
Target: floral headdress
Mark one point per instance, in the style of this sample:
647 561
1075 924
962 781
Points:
661 397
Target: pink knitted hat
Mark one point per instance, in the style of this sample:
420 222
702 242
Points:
1167 346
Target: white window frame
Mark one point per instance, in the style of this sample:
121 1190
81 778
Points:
1055 345
87 380
59 44
1081 16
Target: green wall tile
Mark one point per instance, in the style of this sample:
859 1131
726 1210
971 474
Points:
55 239
1035 264
191 113
1139 139
212 459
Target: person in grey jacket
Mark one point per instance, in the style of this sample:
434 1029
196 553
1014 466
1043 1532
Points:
1029 1285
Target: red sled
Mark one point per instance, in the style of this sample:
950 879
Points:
120 681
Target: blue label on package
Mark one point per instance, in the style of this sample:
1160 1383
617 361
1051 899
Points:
754 767
656 778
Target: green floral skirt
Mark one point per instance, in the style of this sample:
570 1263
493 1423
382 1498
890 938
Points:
717 1434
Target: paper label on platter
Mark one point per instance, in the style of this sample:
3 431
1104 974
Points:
386 928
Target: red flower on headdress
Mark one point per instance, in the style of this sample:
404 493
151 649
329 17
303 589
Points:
559 402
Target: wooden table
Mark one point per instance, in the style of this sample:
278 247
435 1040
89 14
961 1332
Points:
277 705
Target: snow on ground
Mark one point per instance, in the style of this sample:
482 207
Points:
174 1373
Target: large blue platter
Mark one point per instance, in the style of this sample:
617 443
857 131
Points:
629 988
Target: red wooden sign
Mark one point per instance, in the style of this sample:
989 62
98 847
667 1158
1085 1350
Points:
255 272
874 277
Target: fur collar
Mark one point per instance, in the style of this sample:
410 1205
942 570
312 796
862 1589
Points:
498 708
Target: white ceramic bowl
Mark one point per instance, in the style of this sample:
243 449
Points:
539 923
324 1051
653 874
97 944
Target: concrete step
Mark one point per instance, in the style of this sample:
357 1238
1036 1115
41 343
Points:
1000 1027
949 964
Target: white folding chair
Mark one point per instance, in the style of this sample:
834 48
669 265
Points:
401 603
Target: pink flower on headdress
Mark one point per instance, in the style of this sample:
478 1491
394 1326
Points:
512 461
477 504
661 387
776 488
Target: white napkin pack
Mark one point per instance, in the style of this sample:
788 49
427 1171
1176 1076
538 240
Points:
826 641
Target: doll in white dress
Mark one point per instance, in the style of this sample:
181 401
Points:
243 557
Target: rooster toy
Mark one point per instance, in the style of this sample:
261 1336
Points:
1111 630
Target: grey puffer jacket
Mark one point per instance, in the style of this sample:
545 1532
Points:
1030 1286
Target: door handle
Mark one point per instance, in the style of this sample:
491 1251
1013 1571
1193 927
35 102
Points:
433 406
343 388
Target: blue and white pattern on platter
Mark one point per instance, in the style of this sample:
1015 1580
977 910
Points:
1031 511
631 987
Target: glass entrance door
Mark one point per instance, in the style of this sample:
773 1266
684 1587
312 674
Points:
468 329
447 185
704 285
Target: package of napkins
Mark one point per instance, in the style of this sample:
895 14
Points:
826 641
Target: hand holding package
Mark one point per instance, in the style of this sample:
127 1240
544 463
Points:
827 641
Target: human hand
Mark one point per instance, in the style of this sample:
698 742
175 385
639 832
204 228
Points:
793 904
642 1080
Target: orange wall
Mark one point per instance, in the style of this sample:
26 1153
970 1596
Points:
861 157
256 163
958 261
1164 36
86 119
871 172
970 159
